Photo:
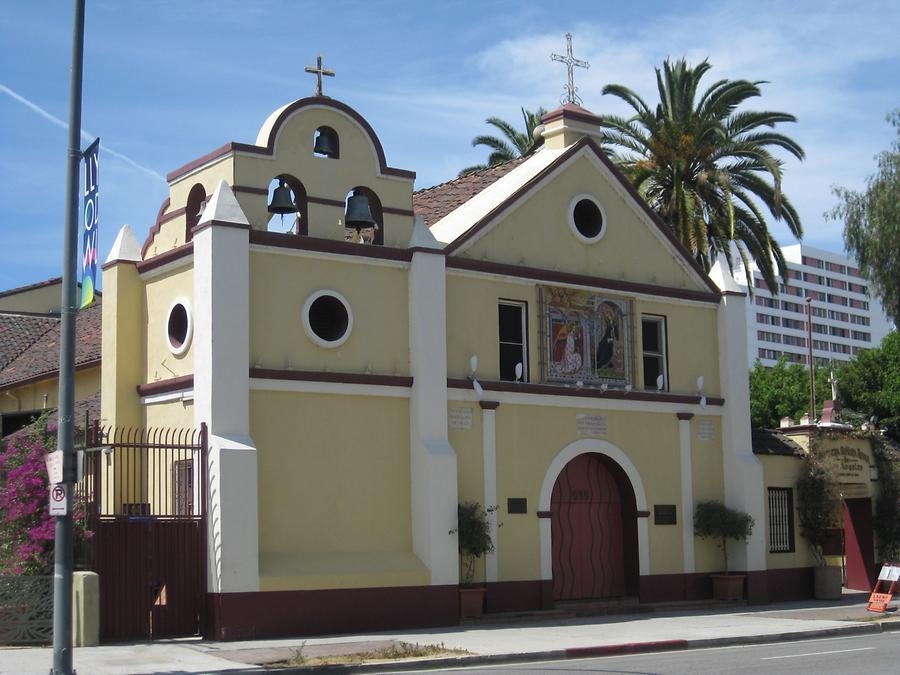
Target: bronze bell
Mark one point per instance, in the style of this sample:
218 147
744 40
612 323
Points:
358 214
324 145
282 200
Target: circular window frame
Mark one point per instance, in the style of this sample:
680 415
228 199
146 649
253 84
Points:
307 327
189 332
572 226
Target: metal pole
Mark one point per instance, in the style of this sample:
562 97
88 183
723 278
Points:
812 365
63 562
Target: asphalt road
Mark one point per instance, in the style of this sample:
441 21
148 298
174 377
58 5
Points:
844 656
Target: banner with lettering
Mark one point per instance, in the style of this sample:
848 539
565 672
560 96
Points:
90 238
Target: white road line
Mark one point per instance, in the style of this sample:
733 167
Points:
795 656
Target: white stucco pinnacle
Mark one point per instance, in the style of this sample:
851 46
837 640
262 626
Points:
125 247
422 237
223 207
722 277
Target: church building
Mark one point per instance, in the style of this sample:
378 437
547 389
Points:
365 356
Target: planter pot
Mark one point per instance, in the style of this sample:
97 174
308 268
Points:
471 602
728 586
827 583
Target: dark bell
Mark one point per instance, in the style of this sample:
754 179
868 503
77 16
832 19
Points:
324 146
282 201
358 213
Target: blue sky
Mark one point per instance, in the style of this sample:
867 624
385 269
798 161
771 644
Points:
169 80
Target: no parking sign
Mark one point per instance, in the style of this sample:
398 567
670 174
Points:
58 499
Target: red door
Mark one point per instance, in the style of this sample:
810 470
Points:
858 544
586 525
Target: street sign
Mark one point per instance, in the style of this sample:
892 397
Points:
58 499
54 462
885 588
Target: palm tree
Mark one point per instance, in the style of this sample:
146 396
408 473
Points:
516 145
706 167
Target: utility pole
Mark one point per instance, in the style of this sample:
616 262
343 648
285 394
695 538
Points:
812 365
63 555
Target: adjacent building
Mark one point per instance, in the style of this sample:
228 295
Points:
845 317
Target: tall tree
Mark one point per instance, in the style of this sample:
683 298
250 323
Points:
870 384
517 143
783 391
705 167
872 225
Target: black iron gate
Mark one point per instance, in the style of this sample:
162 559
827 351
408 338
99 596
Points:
144 493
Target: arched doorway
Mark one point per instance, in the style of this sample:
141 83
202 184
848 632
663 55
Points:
593 530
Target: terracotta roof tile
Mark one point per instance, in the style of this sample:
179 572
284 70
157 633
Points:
41 357
436 202
19 331
771 442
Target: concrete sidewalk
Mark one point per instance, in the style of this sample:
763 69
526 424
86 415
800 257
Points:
494 643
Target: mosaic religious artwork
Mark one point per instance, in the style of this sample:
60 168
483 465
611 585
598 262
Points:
587 338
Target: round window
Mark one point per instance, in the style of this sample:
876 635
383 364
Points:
179 327
327 318
587 218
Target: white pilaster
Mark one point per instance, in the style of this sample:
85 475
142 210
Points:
687 491
489 445
222 391
433 469
744 482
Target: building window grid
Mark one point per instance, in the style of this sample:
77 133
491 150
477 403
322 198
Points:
513 338
862 336
654 360
781 520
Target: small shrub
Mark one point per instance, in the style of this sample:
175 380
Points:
474 532
714 520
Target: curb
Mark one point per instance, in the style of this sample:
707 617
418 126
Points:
578 652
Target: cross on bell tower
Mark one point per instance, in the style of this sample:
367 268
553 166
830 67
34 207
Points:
319 71
571 96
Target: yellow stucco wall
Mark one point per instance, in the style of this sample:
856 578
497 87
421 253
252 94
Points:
280 284
783 472
537 234
41 300
708 476
334 496
161 292
31 396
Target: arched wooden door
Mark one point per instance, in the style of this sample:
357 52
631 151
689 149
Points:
587 536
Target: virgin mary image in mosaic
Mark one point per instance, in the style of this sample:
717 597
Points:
587 338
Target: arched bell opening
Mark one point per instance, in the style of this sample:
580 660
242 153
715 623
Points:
288 206
326 143
193 209
363 217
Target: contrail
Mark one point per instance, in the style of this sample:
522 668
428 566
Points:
85 134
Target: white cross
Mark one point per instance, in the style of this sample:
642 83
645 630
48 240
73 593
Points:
571 62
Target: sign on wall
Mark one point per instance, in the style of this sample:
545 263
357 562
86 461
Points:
850 465
90 238
587 338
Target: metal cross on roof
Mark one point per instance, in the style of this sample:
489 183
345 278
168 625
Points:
319 72
571 96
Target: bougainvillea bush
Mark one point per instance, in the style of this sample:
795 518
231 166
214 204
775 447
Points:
26 527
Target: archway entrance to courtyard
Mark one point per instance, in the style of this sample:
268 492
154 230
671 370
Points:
594 530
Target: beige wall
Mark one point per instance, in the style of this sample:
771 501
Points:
783 472
40 300
537 234
31 396
379 341
161 292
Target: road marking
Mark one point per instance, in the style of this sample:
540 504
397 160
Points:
795 656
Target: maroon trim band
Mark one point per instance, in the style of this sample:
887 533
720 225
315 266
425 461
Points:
154 230
174 254
684 416
325 201
218 223
280 240
550 276
543 514
166 386
586 392
489 405
641 514
250 190
341 378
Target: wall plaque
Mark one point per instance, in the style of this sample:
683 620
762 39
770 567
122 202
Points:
706 430
460 418
664 514
591 425
517 505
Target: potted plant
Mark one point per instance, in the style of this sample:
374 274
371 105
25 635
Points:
817 503
714 520
473 530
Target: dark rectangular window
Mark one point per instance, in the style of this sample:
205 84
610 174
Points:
653 339
513 339
781 520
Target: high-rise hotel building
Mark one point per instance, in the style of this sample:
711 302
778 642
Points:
845 318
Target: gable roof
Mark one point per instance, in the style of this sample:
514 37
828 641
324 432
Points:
772 442
18 331
437 201
40 359
461 225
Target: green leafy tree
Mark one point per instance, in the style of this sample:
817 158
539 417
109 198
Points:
783 391
705 167
516 142
714 520
870 384
872 225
